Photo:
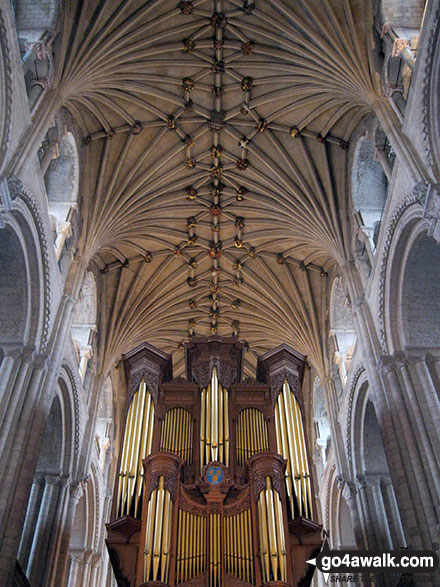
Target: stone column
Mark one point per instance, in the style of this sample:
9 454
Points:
31 519
349 492
367 524
76 490
43 529
394 510
87 562
75 562
374 484
412 490
95 565
7 370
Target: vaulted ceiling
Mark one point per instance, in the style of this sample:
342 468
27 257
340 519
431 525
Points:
215 162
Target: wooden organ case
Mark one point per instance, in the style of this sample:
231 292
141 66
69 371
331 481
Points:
214 483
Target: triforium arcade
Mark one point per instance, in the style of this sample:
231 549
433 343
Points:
214 483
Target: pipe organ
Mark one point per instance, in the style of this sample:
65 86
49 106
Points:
214 485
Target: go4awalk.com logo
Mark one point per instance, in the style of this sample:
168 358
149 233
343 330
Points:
351 563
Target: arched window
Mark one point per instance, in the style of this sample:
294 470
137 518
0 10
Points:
322 424
14 299
388 532
84 323
61 180
104 424
380 519
341 328
369 190
39 542
420 300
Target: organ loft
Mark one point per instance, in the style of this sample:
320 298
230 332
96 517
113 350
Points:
214 484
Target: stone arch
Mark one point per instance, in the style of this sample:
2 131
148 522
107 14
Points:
85 532
380 520
409 308
38 545
420 294
14 288
342 329
24 287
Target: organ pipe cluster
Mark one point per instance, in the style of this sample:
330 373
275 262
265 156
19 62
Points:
196 518
214 423
273 552
239 557
292 446
251 434
215 550
158 535
191 546
177 434
137 445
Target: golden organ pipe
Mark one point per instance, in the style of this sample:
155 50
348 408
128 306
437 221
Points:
257 431
271 527
250 561
163 545
284 450
291 437
135 447
142 451
246 434
168 535
226 425
147 550
264 546
220 426
280 535
241 546
236 544
299 457
246 545
202 428
182 539
230 546
130 453
123 467
179 546
208 425
158 529
187 552
306 463
214 417
153 500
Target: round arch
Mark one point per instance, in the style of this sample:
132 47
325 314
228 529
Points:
382 527
24 286
410 285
